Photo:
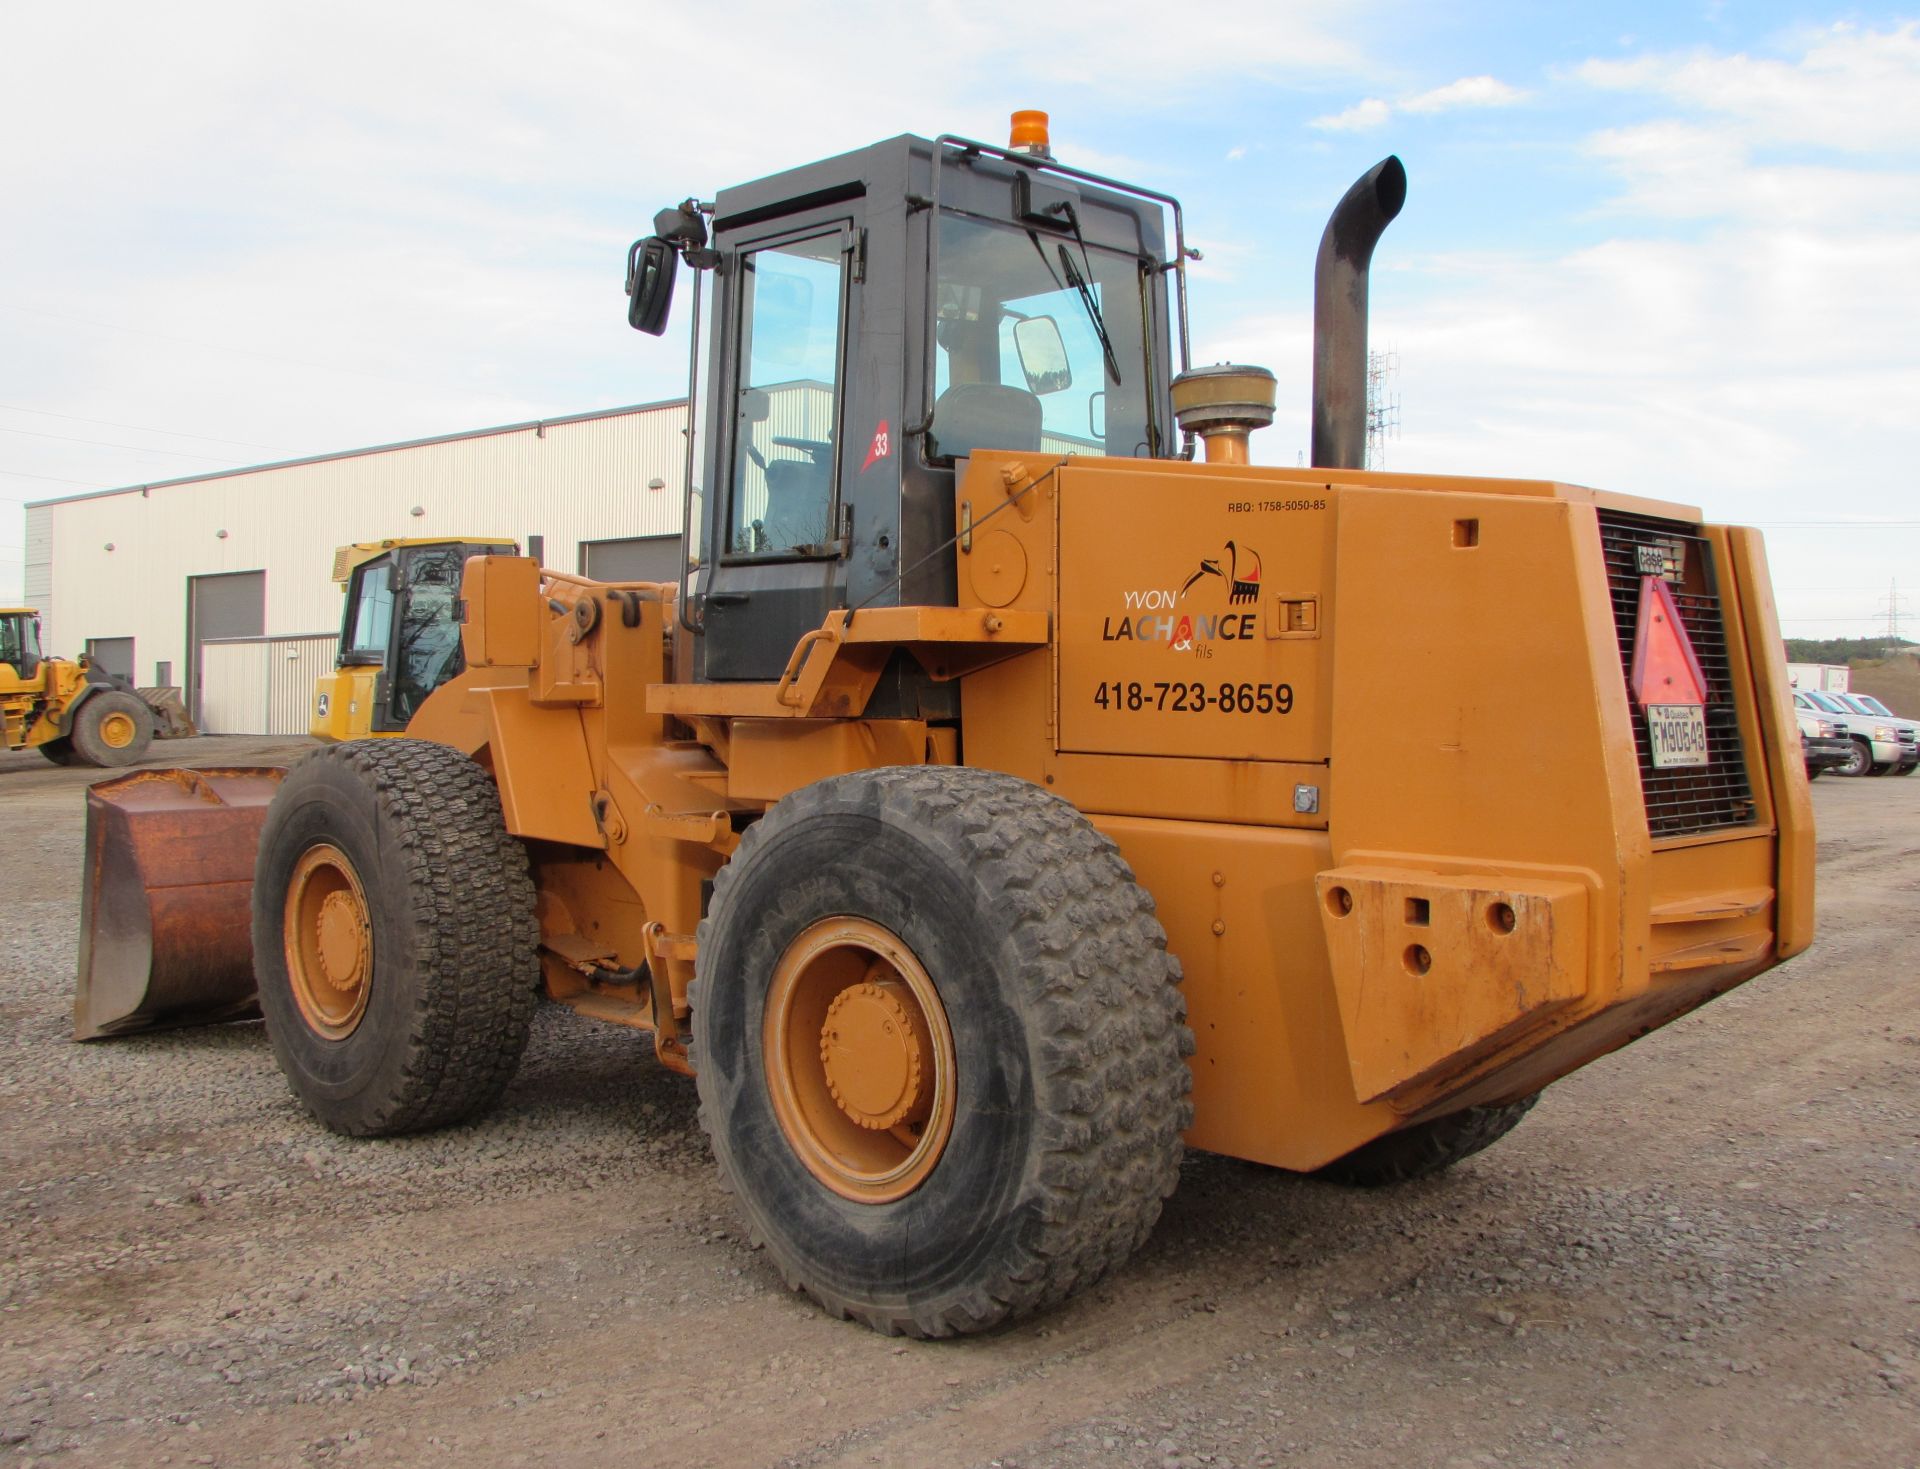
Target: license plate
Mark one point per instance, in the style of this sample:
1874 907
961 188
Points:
1677 734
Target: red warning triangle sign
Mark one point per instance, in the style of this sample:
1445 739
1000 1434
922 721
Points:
1665 670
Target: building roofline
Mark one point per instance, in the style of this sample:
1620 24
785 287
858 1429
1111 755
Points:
534 424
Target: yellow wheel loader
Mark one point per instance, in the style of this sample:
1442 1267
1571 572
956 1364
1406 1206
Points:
1021 785
399 637
70 711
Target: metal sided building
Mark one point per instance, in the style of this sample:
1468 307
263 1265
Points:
222 583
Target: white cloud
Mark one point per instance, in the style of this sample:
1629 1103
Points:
1676 169
1481 91
1812 141
1370 113
1850 90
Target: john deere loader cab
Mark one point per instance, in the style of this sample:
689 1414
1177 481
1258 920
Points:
826 477
399 635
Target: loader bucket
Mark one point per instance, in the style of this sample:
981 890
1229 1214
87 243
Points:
166 911
170 718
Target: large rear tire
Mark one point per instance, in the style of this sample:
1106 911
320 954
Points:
59 751
111 728
1427 1147
940 1051
393 937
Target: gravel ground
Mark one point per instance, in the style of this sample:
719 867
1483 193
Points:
1703 1250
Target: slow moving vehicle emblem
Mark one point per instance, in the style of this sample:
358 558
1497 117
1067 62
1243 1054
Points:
1668 682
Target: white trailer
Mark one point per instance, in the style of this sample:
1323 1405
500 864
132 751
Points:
1829 678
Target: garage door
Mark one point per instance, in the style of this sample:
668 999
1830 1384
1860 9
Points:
638 558
231 605
113 655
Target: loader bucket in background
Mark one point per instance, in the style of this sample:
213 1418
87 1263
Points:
170 718
166 910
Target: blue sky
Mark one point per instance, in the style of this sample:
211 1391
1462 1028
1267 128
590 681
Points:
1666 249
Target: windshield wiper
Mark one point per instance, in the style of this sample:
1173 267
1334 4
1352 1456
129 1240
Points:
1079 283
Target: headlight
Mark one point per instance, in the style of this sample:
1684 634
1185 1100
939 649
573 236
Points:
1885 733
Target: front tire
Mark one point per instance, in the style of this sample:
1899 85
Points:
1859 759
111 729
1427 1147
940 1051
393 937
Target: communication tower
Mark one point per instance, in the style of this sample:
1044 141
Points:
1383 405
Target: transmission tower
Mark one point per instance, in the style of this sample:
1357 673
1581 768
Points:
1383 407
1893 611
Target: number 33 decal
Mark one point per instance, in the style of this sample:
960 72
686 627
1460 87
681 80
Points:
880 448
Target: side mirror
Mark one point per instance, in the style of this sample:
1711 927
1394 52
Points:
1043 356
652 264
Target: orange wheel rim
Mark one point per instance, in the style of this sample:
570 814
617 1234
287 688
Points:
329 941
117 731
859 1060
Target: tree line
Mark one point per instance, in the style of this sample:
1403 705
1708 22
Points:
1845 650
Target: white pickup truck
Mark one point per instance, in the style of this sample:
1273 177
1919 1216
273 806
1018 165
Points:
1882 741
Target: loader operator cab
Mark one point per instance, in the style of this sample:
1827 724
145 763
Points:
861 326
400 626
20 642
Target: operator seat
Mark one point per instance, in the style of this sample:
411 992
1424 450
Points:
970 416
798 496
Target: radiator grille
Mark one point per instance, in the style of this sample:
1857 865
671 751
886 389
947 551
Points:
1687 800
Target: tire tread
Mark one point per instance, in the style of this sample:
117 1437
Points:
473 931
1109 1072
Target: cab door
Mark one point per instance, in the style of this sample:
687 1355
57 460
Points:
777 523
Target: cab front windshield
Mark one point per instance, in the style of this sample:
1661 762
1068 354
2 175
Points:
1020 362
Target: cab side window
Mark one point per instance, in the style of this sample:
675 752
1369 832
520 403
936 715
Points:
371 598
787 403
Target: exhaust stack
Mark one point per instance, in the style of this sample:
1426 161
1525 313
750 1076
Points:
1340 314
